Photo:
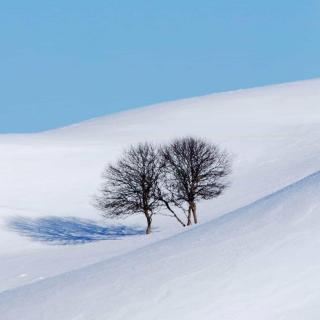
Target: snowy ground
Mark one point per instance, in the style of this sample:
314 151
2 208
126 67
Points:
254 256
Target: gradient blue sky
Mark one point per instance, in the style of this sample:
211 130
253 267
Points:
64 61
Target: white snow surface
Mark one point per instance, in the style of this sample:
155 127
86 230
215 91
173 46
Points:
255 254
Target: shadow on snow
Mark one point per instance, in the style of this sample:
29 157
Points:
69 230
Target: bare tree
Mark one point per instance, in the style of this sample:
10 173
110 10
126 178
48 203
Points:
131 184
194 169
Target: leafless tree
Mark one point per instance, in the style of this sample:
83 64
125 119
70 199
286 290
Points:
194 169
131 184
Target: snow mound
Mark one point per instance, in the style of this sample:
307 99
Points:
259 262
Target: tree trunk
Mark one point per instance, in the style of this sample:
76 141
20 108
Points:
179 220
189 215
173 213
148 230
149 221
194 212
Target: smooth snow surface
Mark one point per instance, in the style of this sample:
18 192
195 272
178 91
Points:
254 256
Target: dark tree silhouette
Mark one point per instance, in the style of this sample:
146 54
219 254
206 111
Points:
194 169
131 184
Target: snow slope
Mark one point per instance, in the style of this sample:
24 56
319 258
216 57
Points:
256 262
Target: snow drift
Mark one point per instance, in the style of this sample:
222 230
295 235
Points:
258 262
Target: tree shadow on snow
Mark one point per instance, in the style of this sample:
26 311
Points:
69 230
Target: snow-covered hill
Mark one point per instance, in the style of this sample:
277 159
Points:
257 262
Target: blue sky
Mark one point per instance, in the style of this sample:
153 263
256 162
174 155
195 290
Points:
65 61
